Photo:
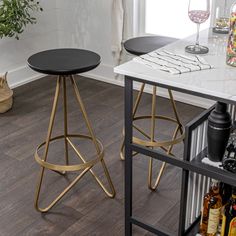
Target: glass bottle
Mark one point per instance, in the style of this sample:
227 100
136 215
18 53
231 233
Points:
229 217
221 17
231 47
210 214
225 193
215 204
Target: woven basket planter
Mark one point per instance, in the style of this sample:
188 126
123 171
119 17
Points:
6 95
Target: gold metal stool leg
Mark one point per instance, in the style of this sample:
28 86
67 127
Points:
169 150
112 193
51 122
86 166
163 165
137 101
65 120
175 110
153 125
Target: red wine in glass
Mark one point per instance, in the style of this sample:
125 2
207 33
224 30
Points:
198 12
198 16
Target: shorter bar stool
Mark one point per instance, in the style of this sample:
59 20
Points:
139 46
65 63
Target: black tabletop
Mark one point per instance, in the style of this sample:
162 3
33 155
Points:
64 61
142 45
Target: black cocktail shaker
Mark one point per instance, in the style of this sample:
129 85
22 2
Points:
219 125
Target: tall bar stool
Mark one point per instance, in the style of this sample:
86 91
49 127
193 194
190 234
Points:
65 63
139 46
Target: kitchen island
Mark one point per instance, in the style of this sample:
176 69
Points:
218 84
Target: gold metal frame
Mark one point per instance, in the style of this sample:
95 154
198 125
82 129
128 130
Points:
86 166
167 145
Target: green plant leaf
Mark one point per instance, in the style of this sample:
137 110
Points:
15 15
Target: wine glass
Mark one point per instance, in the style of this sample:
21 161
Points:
198 12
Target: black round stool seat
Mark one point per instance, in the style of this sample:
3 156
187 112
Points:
142 45
64 61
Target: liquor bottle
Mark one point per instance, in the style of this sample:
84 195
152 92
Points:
229 217
212 203
225 192
215 205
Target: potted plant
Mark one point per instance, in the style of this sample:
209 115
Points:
15 15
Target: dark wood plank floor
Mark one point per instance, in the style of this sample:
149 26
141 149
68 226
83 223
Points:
85 210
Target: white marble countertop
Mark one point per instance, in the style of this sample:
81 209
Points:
219 82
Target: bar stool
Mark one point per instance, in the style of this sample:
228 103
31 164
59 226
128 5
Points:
139 46
65 63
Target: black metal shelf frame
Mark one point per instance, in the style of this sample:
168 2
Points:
195 175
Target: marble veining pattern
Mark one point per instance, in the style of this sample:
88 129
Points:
218 82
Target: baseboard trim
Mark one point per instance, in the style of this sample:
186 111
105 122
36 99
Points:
104 73
22 75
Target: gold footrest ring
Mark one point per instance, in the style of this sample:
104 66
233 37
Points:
160 144
63 168
84 167
167 143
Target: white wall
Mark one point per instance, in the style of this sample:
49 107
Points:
43 35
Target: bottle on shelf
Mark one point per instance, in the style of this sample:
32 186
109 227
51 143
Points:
229 217
215 205
225 192
218 132
211 210
229 160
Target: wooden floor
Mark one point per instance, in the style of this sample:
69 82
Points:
85 210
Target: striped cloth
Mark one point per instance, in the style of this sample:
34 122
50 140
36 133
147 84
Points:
173 63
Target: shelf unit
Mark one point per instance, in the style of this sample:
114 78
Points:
196 175
218 173
196 183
